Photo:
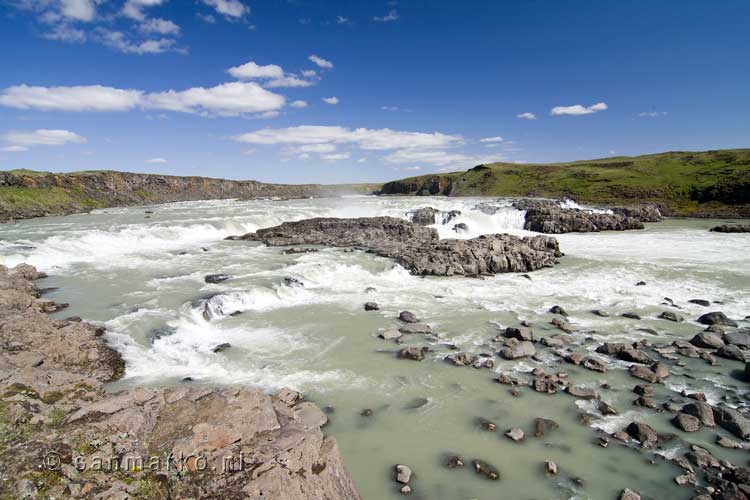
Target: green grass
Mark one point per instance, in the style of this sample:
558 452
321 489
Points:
679 180
44 199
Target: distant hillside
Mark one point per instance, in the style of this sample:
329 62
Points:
710 183
27 193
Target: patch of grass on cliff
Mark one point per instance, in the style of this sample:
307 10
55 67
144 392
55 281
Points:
46 199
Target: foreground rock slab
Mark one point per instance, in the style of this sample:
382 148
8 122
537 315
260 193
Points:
180 442
415 247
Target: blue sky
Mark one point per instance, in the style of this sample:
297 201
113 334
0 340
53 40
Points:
346 91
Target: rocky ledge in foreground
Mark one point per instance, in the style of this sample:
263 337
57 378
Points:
731 228
63 436
415 247
546 216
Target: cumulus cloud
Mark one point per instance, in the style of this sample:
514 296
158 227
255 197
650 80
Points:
14 149
42 137
65 33
161 26
331 100
229 8
79 10
371 139
156 160
526 116
652 114
320 62
228 99
287 81
309 73
578 109
315 148
252 70
298 104
497 138
119 41
336 157
432 157
134 8
341 20
391 16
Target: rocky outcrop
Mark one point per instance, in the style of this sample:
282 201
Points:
731 228
420 186
548 217
59 194
415 247
63 436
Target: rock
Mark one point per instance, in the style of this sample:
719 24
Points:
402 474
732 420
687 423
408 317
390 334
574 358
643 433
645 402
543 426
461 228
562 325
644 390
731 228
550 468
556 220
630 315
216 278
461 359
485 469
731 352
558 310
454 461
405 490
641 283
515 434
600 313
520 350
371 306
423 216
670 316
221 347
702 458
594 364
725 442
520 333
700 302
554 342
635 356
367 412
583 392
739 339
716 318
702 411
684 479
449 216
707 340
611 348
415 328
417 248
605 408
628 494
412 353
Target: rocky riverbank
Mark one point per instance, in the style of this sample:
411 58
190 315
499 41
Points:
27 194
415 247
63 436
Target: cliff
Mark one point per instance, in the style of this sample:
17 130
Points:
25 194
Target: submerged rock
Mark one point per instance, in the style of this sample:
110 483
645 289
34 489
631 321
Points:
412 353
485 469
716 318
418 248
216 278
669 315
371 306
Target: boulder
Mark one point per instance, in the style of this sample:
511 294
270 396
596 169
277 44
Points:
702 411
671 316
581 392
635 356
402 474
461 359
371 306
700 302
707 340
216 278
485 469
415 328
519 350
423 216
558 310
543 426
520 333
716 318
628 494
412 353
408 317
739 339
643 433
731 352
732 420
687 423
515 434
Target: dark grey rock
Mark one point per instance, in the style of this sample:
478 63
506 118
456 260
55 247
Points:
216 278
716 318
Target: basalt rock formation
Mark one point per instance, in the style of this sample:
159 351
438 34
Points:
415 247
549 217
63 436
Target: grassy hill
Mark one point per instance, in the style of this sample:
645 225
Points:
683 183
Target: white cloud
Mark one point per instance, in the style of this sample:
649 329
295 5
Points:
42 137
391 16
207 17
304 156
362 160
320 62
316 148
526 116
287 81
252 70
652 114
134 8
331 100
336 157
161 26
309 73
156 160
229 8
370 139
267 114
228 99
436 157
578 109
341 20
65 33
497 138
14 149
119 41
79 98
413 168
298 104
78 10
